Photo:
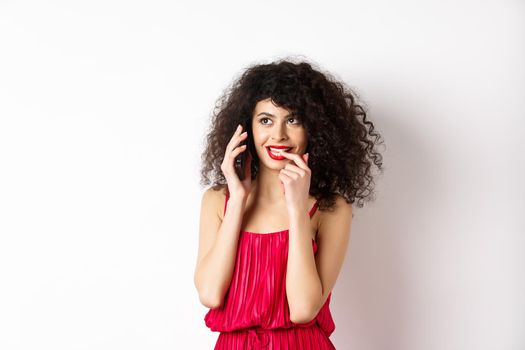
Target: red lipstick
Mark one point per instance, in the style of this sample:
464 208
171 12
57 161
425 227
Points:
275 147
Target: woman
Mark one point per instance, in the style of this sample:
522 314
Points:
266 263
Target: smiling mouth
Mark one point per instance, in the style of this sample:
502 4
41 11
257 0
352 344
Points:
275 151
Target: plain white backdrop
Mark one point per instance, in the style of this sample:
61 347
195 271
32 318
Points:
103 109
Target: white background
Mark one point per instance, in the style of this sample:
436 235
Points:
104 106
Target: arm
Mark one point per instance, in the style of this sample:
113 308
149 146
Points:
217 247
310 279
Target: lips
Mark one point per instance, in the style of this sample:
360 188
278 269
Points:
275 148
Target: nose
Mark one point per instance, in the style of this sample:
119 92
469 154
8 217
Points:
279 132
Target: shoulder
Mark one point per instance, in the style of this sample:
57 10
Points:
215 196
216 191
340 215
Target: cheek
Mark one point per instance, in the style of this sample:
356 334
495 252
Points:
259 136
256 137
302 139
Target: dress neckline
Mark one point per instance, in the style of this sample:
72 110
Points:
271 234
265 233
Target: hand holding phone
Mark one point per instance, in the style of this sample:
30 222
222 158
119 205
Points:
236 165
240 162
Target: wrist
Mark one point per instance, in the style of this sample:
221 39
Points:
238 198
297 213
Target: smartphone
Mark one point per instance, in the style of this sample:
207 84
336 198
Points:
240 160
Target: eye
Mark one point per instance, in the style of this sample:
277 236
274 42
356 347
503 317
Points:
264 119
297 121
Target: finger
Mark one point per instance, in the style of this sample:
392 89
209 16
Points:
284 178
238 136
296 158
290 174
229 162
295 169
229 158
235 140
237 132
237 151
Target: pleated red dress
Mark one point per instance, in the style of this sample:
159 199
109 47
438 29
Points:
255 312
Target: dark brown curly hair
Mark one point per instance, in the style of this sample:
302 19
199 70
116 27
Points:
341 141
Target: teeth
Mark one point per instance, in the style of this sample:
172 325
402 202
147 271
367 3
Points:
276 150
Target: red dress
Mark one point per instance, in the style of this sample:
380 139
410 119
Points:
255 312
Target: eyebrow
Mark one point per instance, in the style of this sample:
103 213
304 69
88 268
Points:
271 115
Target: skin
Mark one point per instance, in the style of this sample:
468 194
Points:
280 191
272 125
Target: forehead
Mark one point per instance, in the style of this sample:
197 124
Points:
268 106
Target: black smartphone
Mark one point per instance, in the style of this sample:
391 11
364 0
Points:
240 160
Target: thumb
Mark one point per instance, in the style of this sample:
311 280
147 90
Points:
305 157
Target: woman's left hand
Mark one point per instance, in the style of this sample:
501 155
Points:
296 181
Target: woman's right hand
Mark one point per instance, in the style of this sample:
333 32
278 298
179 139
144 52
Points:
235 185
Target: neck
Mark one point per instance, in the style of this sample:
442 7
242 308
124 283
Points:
268 186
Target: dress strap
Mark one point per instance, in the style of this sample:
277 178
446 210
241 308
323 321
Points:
314 208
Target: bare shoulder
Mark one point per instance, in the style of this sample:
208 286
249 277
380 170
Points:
340 215
210 220
215 196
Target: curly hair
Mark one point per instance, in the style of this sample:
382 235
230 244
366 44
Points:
341 141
